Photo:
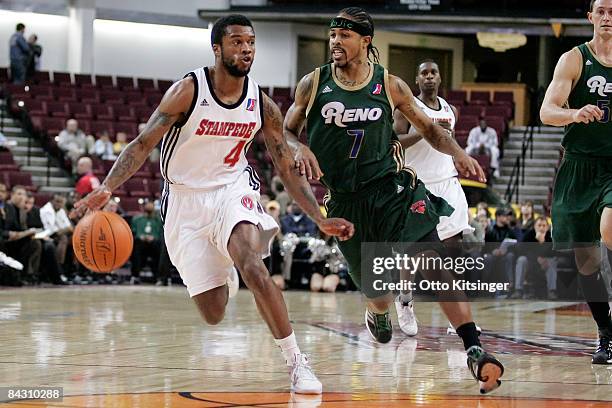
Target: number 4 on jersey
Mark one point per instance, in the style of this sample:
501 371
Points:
234 154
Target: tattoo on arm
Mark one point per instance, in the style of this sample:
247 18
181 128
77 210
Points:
297 186
137 151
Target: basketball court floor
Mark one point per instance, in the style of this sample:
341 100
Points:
147 347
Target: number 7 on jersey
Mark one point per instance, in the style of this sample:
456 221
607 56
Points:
358 135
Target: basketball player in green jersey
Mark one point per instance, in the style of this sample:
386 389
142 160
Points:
348 108
580 98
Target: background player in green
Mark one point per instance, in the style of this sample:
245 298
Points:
348 106
579 98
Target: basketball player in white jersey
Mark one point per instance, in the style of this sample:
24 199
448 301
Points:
435 169
213 219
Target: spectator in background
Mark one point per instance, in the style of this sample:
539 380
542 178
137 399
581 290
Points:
120 143
295 221
33 61
482 208
9 268
147 230
3 197
275 260
103 148
280 195
19 237
55 219
500 257
86 180
19 51
537 257
49 270
526 220
483 140
73 142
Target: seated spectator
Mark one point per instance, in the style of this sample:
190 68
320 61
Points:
299 268
323 279
49 267
103 148
275 260
86 180
121 142
73 142
55 219
280 195
500 257
483 140
9 268
526 219
19 238
482 208
147 230
537 258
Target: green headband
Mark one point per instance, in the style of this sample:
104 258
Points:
341 22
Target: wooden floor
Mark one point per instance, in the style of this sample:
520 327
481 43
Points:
146 347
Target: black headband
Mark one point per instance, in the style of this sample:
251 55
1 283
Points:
341 22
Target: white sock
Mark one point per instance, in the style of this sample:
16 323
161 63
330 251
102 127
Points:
289 347
405 297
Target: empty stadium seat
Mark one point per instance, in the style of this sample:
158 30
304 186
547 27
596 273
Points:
104 82
137 187
7 163
480 97
163 85
83 80
62 79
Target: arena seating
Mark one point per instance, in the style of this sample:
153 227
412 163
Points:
102 103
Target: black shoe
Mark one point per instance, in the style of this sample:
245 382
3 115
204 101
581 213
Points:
485 368
603 354
379 326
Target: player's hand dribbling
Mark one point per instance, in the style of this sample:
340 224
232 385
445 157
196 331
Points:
467 165
307 163
587 114
94 200
338 227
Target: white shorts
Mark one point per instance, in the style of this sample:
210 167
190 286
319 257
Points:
450 190
198 225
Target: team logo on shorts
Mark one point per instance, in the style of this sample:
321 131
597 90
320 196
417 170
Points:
377 89
251 104
418 207
247 202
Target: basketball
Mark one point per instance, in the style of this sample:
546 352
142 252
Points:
102 241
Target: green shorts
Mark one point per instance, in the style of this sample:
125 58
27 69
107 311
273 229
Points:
583 188
398 208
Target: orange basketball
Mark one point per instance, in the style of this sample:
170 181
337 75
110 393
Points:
102 241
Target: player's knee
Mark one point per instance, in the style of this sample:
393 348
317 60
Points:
255 275
214 314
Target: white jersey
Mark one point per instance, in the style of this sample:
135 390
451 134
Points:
432 166
209 149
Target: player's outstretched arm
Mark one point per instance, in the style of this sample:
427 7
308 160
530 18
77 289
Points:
296 184
305 160
438 137
173 106
553 111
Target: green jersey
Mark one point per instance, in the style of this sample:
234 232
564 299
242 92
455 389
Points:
350 130
595 88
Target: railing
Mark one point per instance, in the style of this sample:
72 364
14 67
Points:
517 177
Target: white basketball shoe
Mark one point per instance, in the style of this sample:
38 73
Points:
303 379
405 315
